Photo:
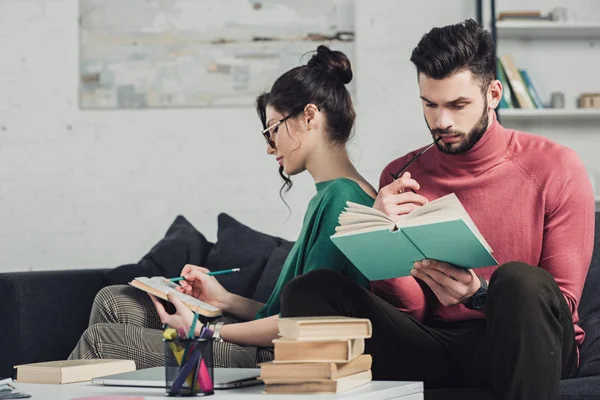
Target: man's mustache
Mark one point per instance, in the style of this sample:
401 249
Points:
445 132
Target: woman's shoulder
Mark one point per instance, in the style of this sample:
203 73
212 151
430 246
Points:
341 190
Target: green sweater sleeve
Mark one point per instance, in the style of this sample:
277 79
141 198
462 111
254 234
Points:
323 253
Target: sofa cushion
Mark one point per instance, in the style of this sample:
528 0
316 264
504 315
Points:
239 246
589 314
182 244
271 273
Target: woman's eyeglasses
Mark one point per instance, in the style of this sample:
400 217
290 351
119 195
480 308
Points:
272 130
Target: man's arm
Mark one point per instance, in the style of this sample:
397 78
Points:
569 228
403 293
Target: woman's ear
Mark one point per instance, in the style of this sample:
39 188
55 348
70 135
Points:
312 116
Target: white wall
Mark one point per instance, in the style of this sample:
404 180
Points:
84 189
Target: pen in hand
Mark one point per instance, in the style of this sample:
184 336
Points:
225 271
412 160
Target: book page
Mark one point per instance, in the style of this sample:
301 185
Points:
359 208
359 227
358 218
446 208
347 218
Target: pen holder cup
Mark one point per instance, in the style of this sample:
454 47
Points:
189 367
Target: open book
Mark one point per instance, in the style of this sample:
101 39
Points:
160 286
382 248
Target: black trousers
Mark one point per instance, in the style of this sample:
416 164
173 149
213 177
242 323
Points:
521 350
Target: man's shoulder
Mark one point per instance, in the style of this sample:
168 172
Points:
547 163
542 156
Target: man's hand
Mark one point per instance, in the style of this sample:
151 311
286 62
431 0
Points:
396 199
451 285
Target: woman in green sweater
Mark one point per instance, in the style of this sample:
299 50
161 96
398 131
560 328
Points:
307 118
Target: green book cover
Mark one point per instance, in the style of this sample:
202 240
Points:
506 100
535 97
383 253
379 254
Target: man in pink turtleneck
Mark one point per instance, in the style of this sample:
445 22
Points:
512 328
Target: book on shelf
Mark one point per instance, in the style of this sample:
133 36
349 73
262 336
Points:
382 248
70 371
271 372
506 101
533 94
516 82
159 286
323 328
337 385
328 351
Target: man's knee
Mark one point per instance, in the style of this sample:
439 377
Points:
520 282
304 285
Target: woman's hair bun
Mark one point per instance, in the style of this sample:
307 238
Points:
333 62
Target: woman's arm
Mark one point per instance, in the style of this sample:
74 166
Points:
241 307
204 287
260 332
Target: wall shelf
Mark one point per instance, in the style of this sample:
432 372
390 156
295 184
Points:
553 114
548 30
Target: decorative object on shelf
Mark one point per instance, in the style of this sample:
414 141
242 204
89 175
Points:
557 100
523 16
559 14
589 100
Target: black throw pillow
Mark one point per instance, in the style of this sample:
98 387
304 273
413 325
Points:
271 273
182 244
238 246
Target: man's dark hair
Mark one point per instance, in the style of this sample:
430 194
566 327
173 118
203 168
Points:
450 49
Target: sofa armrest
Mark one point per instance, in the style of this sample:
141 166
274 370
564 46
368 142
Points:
43 314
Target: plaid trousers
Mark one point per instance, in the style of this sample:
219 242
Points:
125 325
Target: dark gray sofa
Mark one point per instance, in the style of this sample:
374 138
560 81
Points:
44 313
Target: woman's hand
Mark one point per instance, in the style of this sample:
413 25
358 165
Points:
204 287
182 318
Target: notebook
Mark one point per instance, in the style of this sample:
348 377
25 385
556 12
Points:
159 286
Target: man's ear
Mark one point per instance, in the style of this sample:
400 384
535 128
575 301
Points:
494 94
312 116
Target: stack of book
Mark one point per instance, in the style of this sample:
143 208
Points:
318 355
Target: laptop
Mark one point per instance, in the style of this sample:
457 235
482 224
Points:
224 378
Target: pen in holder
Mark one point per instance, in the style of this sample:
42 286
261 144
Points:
189 367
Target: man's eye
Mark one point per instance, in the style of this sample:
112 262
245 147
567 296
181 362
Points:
458 106
429 105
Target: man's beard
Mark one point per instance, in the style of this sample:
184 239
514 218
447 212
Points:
468 140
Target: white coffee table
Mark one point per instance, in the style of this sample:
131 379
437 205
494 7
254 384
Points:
378 390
